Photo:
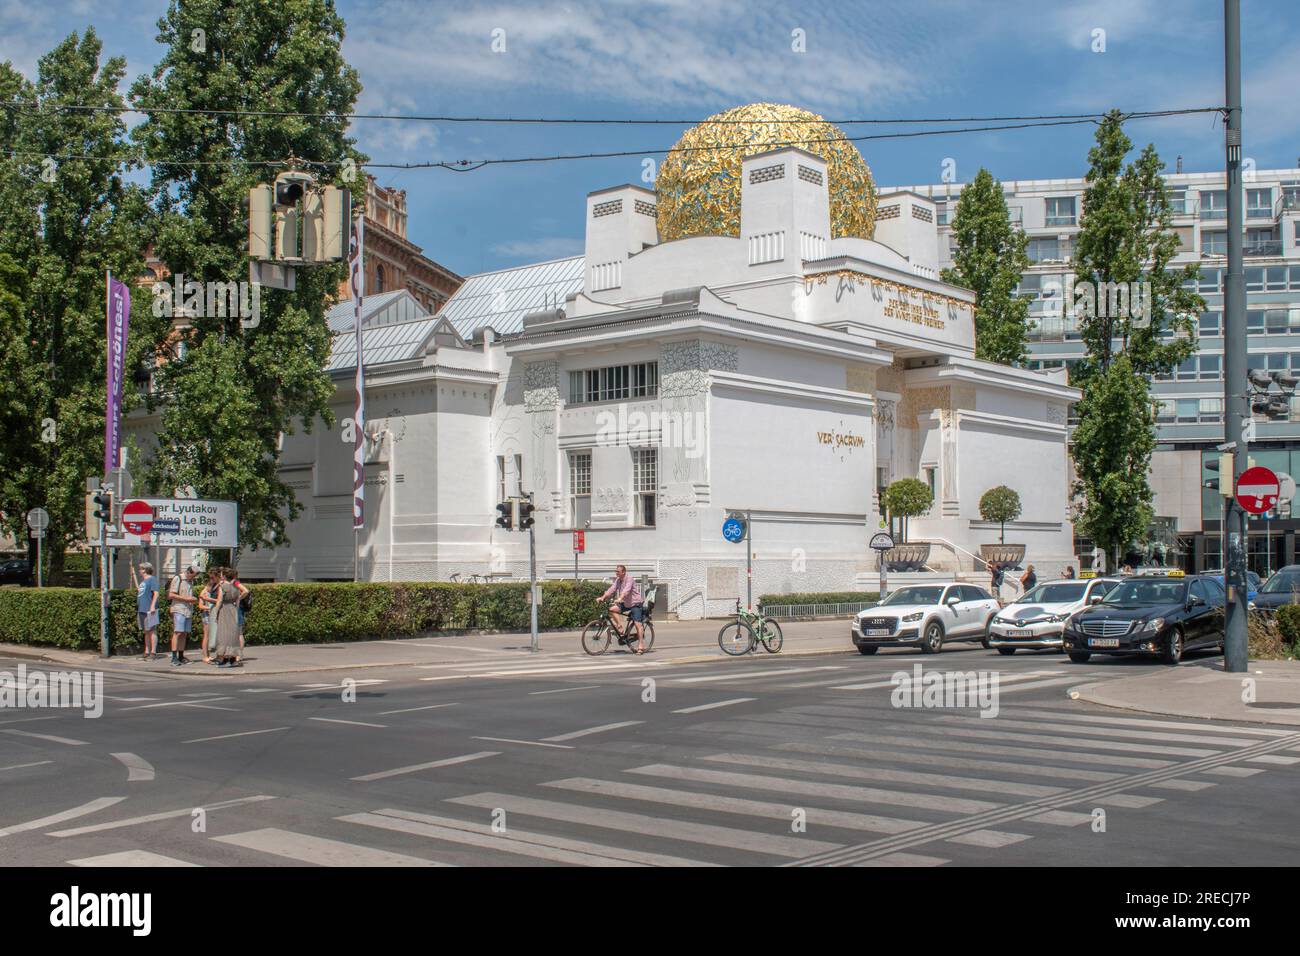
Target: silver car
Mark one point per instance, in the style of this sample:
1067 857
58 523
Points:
1037 619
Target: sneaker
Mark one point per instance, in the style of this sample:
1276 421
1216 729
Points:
176 662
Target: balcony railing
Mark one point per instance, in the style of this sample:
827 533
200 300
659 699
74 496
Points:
1262 247
1286 203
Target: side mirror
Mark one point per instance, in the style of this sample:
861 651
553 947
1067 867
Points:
1095 599
953 599
1195 601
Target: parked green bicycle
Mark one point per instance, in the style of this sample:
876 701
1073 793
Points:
748 630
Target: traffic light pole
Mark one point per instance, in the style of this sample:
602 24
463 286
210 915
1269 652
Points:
1236 401
532 582
103 581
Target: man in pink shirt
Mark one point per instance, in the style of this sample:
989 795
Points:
627 601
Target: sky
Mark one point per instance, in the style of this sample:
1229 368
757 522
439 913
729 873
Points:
687 59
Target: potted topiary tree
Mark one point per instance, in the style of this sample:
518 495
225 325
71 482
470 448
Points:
1001 504
908 498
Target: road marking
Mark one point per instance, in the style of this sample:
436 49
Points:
1089 743
558 671
1061 818
38 763
26 720
1274 759
354 723
983 682
417 767
886 775
946 760
246 733
130 858
1200 727
624 822
721 703
575 734
129 700
530 743
1128 801
318 850
155 817
1037 684
1108 732
177 703
1232 771
137 767
729 804
1189 785
904 859
94 806
409 710
342 684
564 690
715 678
50 737
514 841
258 690
1067 756
835 791
989 839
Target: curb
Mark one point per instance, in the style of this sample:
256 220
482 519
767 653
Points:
1090 694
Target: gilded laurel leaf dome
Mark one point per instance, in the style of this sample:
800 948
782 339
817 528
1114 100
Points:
698 186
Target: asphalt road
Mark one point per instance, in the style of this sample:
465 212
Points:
560 759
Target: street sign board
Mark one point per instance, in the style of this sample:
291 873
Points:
137 517
198 523
1258 490
882 541
579 542
733 529
38 519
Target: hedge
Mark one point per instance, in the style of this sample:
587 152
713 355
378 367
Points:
306 613
819 597
1288 622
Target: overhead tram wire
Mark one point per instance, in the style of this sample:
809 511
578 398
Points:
472 165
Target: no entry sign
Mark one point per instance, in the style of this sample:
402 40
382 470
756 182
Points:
137 518
1258 490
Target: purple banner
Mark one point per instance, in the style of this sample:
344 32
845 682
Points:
357 284
119 321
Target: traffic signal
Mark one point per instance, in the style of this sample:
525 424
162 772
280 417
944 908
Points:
525 515
1222 466
504 515
104 505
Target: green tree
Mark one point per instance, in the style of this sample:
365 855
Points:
1112 454
1000 504
908 498
68 216
225 399
989 259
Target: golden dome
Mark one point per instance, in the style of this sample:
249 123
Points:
698 186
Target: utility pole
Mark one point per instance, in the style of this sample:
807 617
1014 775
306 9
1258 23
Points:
532 575
1236 401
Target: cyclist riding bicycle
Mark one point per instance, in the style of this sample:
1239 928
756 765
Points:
627 602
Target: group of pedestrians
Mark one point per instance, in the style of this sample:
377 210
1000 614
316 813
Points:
998 579
222 603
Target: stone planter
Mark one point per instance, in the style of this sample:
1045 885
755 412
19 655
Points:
907 557
1008 554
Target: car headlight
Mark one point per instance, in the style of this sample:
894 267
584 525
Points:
914 616
1155 624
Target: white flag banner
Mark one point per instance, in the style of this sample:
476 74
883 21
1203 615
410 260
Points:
357 285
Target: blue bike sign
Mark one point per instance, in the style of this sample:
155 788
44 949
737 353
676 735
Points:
734 528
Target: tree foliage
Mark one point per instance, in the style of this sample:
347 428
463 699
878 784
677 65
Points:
226 398
989 259
1000 504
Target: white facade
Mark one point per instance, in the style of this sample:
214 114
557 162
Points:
650 388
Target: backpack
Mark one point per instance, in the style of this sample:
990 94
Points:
246 602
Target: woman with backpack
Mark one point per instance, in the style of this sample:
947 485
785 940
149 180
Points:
226 615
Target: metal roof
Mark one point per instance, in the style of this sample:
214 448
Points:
393 342
502 298
383 308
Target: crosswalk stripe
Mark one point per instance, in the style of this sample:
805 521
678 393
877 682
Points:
1191 786
835 791
354 723
50 737
982 682
409 710
755 675
433 764
575 734
1275 759
1059 755
1129 801
1086 743
989 839
1039 684
155 817
721 703
903 859
513 841
1061 818
93 806
1108 732
1076 716
946 760
1232 771
246 733
130 858
318 850
816 816
886 775
793 847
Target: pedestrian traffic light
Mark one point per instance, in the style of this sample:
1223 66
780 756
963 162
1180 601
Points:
1222 466
525 515
104 505
504 515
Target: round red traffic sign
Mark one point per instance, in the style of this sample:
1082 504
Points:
137 517
1257 490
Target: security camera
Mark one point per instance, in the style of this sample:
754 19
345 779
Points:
1260 378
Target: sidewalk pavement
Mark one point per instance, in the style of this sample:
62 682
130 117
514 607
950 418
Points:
1206 691
677 642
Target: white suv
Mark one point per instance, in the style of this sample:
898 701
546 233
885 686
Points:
1037 619
925 615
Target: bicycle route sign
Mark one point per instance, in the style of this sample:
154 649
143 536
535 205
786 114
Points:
734 528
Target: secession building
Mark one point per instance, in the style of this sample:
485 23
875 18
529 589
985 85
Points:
762 332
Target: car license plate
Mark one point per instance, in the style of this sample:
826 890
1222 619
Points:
876 632
1020 633
1103 642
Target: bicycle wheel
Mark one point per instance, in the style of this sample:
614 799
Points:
772 636
736 638
649 637
595 638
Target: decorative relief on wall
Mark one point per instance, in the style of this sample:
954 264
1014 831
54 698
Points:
684 366
541 385
916 401
1056 413
611 500
859 380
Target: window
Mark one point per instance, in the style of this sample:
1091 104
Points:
1016 215
1188 370
1295 270
1259 202
1214 243
1275 278
501 477
614 383
379 279
519 475
1254 279
1261 242
1188 411
1165 412
1060 211
1255 321
1211 367
1255 360
645 482
1178 200
1277 321
579 489
930 478
1210 278
1209 324
1214 204
1211 410
1040 250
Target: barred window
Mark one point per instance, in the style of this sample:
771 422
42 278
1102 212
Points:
579 489
614 383
645 481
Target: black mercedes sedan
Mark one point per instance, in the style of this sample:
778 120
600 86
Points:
1150 616
1282 588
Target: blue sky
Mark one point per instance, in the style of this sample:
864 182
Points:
686 59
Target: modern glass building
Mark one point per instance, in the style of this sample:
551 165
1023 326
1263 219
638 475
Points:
1190 415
